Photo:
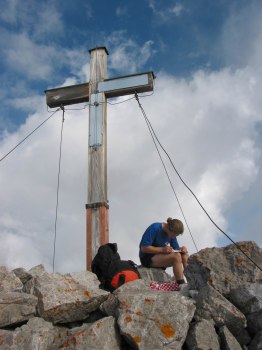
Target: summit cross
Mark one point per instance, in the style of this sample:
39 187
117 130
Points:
96 92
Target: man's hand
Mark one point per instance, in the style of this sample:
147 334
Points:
167 250
183 250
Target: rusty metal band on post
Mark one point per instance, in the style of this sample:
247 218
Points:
97 205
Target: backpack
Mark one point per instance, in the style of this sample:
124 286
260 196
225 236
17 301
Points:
111 271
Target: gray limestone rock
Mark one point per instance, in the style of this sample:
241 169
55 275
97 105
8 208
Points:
63 299
100 335
202 335
110 306
254 322
37 334
256 343
248 298
8 281
22 274
154 319
153 274
212 305
16 307
225 268
146 319
228 341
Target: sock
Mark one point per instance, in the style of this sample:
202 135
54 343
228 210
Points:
181 281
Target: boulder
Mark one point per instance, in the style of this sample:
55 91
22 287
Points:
37 334
248 298
202 335
22 274
63 299
227 340
221 302
153 274
8 281
101 335
225 268
256 343
16 308
153 319
212 305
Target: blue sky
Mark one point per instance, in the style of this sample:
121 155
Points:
206 110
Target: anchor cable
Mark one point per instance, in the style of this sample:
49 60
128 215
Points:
58 185
29 135
147 120
169 179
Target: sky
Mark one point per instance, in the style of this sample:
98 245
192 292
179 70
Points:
205 110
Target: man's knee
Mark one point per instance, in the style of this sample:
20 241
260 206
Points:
176 258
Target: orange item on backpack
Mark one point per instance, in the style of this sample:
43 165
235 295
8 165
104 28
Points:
124 276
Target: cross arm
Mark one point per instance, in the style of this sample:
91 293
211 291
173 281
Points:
67 95
127 85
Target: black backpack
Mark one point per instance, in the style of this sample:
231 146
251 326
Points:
111 271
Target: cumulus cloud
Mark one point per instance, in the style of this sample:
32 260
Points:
38 19
24 56
126 55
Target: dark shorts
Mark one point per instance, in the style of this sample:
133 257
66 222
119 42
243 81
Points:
146 260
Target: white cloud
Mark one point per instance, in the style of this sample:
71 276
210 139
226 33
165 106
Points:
126 55
167 14
9 11
121 11
24 56
38 18
177 9
39 61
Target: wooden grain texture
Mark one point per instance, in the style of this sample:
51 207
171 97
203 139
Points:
97 159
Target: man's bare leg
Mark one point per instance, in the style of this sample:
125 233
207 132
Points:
169 260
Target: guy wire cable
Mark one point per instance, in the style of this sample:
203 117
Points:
153 138
58 183
145 116
29 134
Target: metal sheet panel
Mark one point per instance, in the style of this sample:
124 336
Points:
96 120
127 85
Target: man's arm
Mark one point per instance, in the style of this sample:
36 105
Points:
155 250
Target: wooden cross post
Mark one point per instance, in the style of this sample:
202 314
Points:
96 93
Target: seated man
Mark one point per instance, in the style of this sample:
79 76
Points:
159 247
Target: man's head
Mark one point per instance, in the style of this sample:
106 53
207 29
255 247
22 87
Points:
175 226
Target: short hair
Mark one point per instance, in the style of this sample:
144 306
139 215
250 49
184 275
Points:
175 225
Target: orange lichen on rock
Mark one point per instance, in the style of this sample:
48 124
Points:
167 330
128 319
147 300
139 313
86 293
137 339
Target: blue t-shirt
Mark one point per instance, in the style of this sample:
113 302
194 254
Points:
155 236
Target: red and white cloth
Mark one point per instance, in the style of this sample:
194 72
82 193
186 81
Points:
166 286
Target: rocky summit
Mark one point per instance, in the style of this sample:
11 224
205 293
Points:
219 308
